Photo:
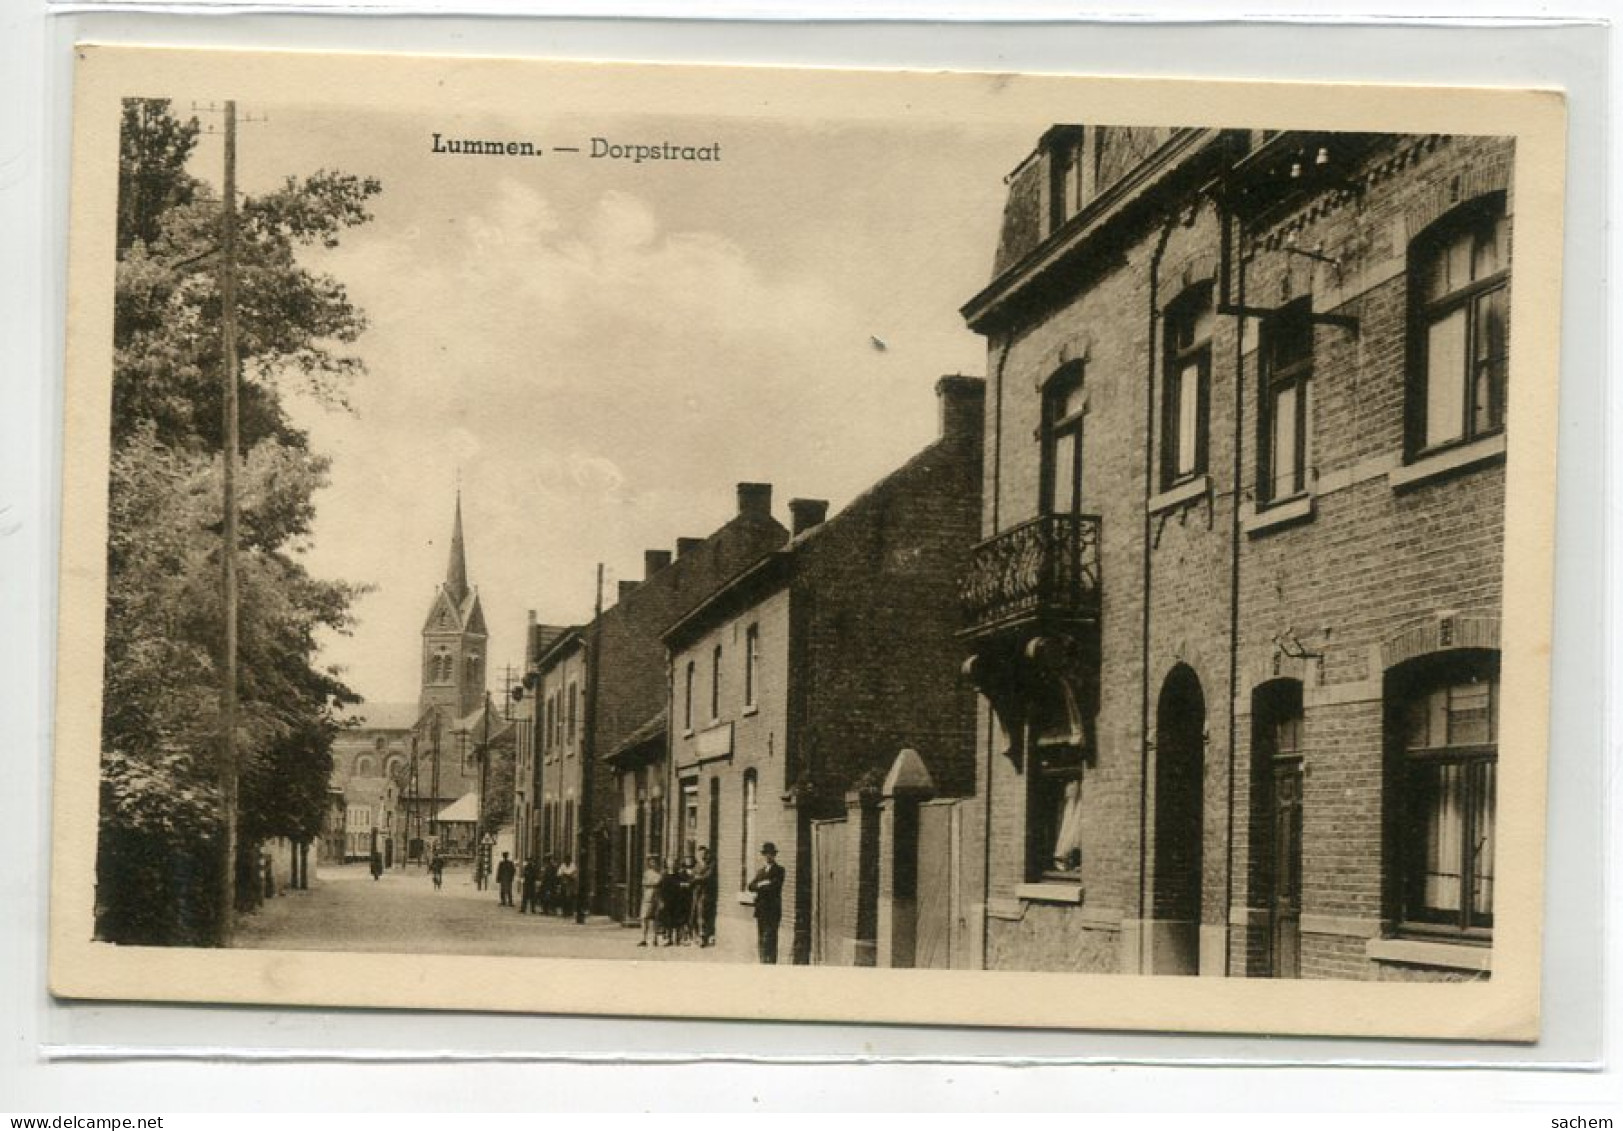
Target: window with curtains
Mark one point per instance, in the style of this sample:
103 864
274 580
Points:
749 843
1459 283
1448 730
1286 444
1054 788
1185 391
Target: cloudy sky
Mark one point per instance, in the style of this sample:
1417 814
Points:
602 350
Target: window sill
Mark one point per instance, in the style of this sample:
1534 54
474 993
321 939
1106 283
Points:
1421 952
750 709
1197 488
1285 513
1049 892
1428 467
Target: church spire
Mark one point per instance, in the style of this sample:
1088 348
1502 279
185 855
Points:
456 572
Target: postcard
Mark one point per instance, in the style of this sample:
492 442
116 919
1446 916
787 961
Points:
989 549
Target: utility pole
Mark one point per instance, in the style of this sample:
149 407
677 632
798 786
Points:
585 859
227 885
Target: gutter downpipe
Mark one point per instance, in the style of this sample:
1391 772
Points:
1227 265
1167 226
991 719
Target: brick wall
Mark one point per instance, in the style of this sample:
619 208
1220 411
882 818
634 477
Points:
1371 561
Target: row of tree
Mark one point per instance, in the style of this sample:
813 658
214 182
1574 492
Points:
162 827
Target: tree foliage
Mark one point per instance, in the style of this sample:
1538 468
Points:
160 819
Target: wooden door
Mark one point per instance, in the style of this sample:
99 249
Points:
1285 902
828 893
933 938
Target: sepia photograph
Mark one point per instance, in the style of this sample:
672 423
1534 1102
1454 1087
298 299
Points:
1007 550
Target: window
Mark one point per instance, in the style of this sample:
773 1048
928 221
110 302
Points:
1054 812
439 666
752 659
574 709
1448 738
471 669
363 766
1285 446
715 683
1460 282
690 816
1185 392
1062 443
1065 164
687 710
747 848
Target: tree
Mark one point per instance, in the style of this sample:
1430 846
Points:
160 816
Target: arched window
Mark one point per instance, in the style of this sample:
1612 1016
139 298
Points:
1444 714
1459 286
364 766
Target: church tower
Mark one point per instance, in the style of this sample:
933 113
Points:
454 634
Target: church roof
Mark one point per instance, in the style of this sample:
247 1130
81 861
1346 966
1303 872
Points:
384 716
456 570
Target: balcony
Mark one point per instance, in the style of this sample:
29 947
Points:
1040 575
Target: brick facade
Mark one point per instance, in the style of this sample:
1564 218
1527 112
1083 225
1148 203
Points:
853 628
1216 590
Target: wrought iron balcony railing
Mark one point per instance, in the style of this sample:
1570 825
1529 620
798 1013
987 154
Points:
1046 569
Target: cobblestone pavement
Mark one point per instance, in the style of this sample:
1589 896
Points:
346 910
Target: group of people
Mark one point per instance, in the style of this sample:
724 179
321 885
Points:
679 901
546 886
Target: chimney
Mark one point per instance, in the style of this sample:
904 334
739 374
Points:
755 499
653 561
807 513
626 587
685 546
963 407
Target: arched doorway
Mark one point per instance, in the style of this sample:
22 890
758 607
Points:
1180 768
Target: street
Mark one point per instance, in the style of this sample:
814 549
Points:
346 910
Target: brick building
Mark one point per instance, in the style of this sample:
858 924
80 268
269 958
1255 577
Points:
576 782
370 755
801 680
1235 617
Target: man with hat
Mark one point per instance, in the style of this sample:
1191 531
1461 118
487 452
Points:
768 888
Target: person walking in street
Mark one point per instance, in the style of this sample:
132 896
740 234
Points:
532 876
505 872
768 888
436 867
549 885
377 866
650 900
568 876
705 892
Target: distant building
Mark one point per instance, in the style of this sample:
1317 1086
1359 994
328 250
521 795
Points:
370 753
796 685
580 810
1235 617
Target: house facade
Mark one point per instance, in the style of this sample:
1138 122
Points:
595 712
1234 618
795 686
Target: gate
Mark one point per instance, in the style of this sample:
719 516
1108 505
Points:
830 947
936 911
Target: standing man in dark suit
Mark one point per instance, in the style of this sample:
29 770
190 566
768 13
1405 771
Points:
505 871
768 888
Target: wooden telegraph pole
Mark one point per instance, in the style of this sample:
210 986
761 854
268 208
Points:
228 378
585 859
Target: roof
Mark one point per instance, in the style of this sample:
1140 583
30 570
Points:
384 716
648 732
473 723
554 651
464 808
